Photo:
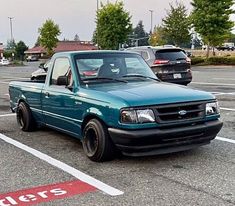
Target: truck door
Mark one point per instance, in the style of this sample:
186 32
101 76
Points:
58 101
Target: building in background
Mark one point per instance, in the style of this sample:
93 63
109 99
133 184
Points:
1 50
61 47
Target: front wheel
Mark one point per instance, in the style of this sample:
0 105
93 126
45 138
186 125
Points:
25 118
96 142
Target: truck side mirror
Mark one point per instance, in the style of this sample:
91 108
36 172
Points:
62 81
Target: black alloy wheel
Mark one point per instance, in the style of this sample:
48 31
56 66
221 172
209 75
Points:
96 142
25 118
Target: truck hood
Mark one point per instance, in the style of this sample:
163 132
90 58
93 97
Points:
151 93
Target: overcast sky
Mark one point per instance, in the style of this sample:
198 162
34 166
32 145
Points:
72 16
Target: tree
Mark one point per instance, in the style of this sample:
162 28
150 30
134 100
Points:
20 49
113 26
76 38
140 34
157 37
176 25
231 38
37 43
210 19
94 36
49 33
11 45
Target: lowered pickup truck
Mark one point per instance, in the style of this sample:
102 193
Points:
117 105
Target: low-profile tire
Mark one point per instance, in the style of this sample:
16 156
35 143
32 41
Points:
25 118
96 142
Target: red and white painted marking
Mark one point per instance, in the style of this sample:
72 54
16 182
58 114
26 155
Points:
66 168
46 193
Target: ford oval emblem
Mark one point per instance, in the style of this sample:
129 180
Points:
182 112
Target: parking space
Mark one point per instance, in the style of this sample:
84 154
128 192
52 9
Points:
204 176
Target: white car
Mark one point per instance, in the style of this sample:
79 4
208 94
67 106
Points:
4 62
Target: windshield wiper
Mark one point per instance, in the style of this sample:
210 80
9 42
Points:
140 76
104 78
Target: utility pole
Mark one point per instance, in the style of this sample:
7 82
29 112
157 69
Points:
97 34
151 20
10 18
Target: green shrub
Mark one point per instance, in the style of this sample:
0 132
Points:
230 60
225 60
197 60
17 63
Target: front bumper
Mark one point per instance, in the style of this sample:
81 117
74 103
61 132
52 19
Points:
164 140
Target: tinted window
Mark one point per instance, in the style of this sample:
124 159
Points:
61 68
88 64
169 54
111 65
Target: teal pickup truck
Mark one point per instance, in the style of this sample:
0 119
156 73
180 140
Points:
113 102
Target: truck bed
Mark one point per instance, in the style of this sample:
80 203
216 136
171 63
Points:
29 90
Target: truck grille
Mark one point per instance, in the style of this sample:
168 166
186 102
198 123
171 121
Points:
180 112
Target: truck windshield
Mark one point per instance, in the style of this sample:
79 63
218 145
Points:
111 66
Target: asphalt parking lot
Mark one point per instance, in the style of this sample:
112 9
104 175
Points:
43 166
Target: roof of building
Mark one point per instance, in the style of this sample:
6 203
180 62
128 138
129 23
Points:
65 46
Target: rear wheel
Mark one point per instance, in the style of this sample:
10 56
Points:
25 118
96 142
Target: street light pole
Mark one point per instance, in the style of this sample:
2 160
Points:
151 19
97 6
97 35
10 18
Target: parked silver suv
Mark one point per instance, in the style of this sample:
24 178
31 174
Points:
170 64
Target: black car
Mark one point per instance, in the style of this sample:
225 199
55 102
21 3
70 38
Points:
170 64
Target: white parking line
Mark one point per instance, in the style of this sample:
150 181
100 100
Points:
4 82
225 139
16 78
7 115
224 78
210 83
228 109
223 93
66 168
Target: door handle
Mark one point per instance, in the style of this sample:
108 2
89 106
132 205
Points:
47 94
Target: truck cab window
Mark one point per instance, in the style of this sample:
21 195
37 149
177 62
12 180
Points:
61 68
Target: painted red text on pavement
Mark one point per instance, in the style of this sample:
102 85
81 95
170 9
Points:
45 193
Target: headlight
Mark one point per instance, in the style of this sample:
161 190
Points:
212 108
129 116
137 116
145 116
